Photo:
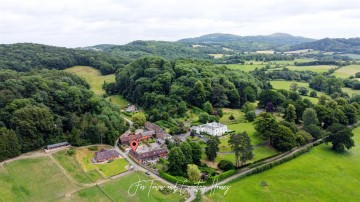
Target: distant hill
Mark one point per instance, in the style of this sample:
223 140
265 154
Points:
165 49
277 38
338 45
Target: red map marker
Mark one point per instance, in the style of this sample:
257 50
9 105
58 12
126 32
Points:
134 144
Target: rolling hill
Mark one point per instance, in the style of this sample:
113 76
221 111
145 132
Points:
277 38
338 45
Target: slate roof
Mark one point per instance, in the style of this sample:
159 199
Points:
148 154
57 145
103 154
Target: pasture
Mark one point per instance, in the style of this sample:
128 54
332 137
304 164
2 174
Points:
33 179
319 175
245 67
72 166
118 100
350 91
347 71
93 77
122 190
315 68
286 86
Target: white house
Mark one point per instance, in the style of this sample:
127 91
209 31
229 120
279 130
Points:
214 129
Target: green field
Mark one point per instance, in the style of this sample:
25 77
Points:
33 179
246 67
72 167
84 158
320 175
119 190
260 152
347 71
315 68
351 91
118 100
113 168
93 77
286 86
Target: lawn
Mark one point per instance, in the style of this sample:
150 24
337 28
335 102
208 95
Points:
121 189
118 100
71 166
33 179
84 157
237 114
93 77
260 152
113 168
347 71
320 175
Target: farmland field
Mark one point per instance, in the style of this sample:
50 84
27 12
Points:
319 175
92 76
347 71
118 190
315 68
351 91
245 67
33 179
286 86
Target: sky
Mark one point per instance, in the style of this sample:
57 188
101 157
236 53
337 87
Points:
79 23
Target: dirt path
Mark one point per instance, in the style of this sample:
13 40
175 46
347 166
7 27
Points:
34 154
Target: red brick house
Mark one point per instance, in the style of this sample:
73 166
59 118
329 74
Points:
150 155
126 138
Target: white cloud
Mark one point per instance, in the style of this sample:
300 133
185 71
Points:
74 23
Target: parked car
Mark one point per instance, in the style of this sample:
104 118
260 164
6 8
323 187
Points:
147 172
201 136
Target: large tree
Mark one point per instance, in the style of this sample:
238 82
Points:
340 136
240 143
212 147
196 152
139 119
290 113
193 172
177 161
284 139
186 150
310 117
265 125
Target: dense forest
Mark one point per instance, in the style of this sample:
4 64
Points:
351 45
26 56
165 89
48 106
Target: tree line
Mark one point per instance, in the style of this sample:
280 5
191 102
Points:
26 56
